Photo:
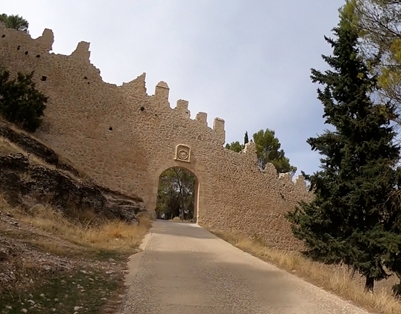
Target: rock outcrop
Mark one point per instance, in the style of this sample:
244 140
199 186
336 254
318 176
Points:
25 182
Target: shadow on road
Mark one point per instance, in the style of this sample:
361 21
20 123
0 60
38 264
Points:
182 229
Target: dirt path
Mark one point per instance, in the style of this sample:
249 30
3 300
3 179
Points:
186 269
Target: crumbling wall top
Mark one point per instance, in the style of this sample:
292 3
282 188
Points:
82 51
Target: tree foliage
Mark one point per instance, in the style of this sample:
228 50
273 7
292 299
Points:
353 217
176 194
379 23
246 139
267 150
14 21
20 102
235 146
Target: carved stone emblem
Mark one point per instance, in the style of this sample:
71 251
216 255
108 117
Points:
183 153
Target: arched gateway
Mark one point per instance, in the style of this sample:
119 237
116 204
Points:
124 138
178 189
182 159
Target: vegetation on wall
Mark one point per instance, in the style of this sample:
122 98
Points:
176 194
20 102
14 21
267 150
355 217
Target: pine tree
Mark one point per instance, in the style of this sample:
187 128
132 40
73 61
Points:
246 139
268 150
14 21
351 219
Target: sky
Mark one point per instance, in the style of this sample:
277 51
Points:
247 62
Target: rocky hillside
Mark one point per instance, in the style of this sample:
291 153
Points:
31 173
64 241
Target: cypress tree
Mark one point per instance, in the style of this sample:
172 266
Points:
246 139
351 219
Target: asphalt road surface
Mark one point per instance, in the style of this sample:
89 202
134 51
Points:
186 269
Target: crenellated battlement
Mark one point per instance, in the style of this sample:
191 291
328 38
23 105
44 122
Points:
218 127
132 90
162 92
82 52
124 138
162 97
182 108
201 117
283 180
46 40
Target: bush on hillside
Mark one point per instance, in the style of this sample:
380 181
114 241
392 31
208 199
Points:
20 102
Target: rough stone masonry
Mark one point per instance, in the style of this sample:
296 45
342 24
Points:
124 139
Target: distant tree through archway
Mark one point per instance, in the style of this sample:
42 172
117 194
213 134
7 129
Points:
176 195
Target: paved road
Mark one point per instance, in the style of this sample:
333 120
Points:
186 269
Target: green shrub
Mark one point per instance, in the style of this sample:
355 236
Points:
20 102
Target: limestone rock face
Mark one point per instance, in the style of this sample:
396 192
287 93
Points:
27 184
32 146
25 181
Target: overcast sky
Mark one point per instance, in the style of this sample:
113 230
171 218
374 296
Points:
247 62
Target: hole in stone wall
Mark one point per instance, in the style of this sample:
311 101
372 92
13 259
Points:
19 47
37 56
26 52
44 78
142 108
110 129
89 83
3 36
85 77
282 196
155 114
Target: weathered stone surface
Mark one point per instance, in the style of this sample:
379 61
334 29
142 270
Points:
33 146
124 139
27 184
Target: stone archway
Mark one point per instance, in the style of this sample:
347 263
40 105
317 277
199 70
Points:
185 182
182 159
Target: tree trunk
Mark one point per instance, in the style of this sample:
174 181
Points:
369 284
353 273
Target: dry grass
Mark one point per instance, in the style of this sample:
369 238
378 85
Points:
334 279
6 147
52 251
102 234
52 247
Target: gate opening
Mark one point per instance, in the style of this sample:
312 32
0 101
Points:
177 195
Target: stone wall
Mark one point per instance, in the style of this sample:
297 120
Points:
125 138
